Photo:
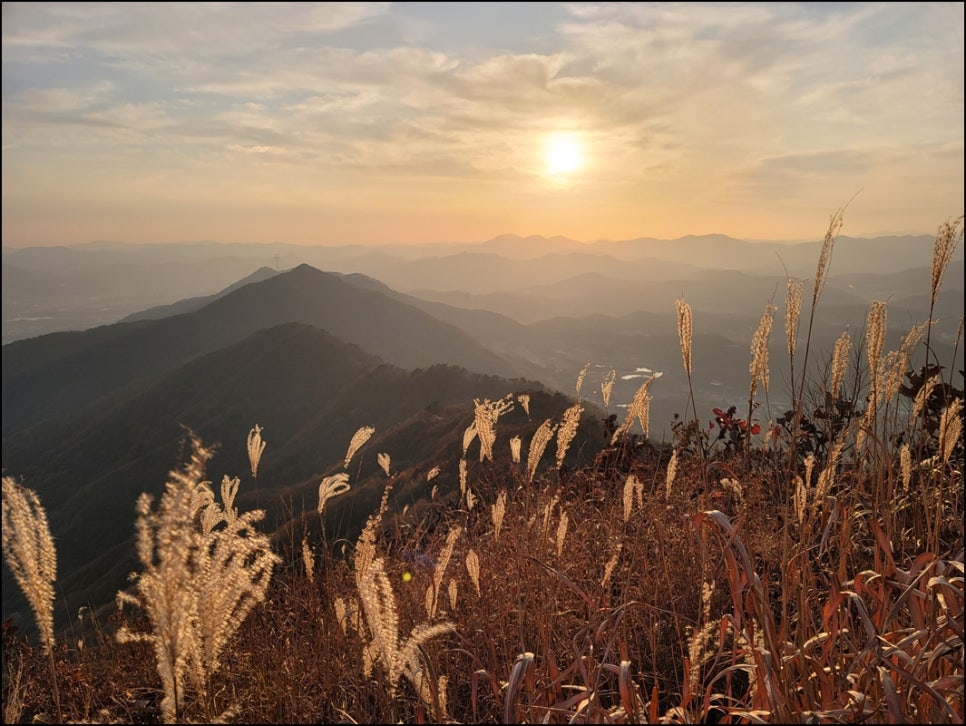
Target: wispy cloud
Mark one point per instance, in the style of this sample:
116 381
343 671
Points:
726 107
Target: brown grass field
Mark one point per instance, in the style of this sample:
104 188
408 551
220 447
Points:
810 571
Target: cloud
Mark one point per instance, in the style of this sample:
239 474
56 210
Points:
154 31
726 103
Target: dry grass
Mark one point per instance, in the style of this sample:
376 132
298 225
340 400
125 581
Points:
205 568
29 551
752 586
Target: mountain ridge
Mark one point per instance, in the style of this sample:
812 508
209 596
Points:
307 389
45 376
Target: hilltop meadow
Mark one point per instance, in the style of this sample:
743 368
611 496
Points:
805 567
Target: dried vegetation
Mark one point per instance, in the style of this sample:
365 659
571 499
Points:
807 571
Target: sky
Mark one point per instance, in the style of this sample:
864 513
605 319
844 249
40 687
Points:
384 123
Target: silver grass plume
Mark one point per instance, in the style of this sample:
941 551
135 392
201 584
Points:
639 409
567 430
29 551
793 307
840 362
759 351
332 486
950 428
398 657
255 448
442 562
685 326
515 445
607 386
949 236
487 412
473 568
358 439
383 460
541 437
205 568
580 378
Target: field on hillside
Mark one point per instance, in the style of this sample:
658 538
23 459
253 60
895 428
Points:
806 569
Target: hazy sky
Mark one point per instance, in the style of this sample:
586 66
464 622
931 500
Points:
341 123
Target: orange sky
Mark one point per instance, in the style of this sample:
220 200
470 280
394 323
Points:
331 123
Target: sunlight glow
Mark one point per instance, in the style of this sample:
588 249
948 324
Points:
563 155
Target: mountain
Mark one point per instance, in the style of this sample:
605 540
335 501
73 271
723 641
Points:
516 247
50 289
879 255
53 374
308 390
196 303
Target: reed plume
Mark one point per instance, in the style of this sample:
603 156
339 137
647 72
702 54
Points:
469 433
473 568
235 569
950 429
567 430
399 657
462 474
684 332
672 470
442 562
205 568
793 309
840 362
607 385
383 459
759 365
29 551
638 410
255 448
905 466
684 337
332 486
949 235
874 339
360 437
821 273
453 594
580 378
875 336
515 445
919 403
308 560
825 257
759 352
487 412
541 437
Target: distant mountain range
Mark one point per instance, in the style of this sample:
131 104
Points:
50 289
312 343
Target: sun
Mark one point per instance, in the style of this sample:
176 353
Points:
563 155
